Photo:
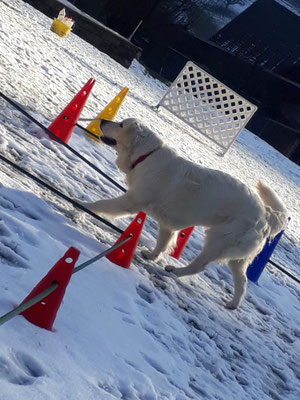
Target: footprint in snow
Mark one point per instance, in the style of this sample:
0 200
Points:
10 251
122 310
11 254
154 364
20 206
20 369
4 230
10 226
146 294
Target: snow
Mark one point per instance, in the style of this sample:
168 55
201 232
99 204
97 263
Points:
137 333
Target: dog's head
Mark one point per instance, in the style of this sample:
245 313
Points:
130 138
118 134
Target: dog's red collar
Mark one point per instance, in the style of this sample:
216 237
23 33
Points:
142 158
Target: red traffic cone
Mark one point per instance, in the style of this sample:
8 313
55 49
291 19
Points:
44 312
123 255
183 237
64 124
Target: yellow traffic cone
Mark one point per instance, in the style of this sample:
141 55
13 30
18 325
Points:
109 113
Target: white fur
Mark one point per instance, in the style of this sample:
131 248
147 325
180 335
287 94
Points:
178 193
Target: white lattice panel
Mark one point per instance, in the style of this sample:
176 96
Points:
207 105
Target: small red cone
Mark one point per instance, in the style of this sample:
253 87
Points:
43 313
64 124
182 240
123 255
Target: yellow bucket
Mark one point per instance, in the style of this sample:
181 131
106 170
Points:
59 28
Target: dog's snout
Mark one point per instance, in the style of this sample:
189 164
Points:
103 122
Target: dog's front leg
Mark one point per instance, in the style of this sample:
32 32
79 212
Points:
165 240
117 207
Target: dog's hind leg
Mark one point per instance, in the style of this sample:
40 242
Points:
166 238
238 269
213 250
197 265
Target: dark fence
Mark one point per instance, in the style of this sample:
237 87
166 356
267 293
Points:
272 94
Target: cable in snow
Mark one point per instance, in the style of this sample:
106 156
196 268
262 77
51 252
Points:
58 193
284 271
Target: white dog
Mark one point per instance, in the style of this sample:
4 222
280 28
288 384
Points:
178 194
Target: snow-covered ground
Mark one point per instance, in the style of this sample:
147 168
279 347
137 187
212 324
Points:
126 334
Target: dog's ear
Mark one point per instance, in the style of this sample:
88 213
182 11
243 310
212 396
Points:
135 127
144 131
141 129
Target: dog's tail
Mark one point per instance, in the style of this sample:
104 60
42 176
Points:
277 215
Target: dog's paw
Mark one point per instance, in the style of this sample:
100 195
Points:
231 305
148 255
170 268
179 272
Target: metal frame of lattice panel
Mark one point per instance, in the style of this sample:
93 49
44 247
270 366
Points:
207 105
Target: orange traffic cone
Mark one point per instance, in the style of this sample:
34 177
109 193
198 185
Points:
123 255
182 240
44 312
64 124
